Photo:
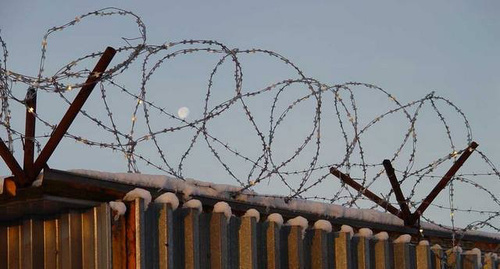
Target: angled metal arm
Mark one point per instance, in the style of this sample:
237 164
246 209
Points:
443 182
397 190
73 110
15 168
370 195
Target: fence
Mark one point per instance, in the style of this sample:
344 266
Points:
161 237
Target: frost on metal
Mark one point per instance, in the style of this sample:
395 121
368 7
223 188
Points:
252 213
423 243
168 198
139 193
347 229
223 207
276 218
404 238
323 225
118 207
365 232
382 236
194 204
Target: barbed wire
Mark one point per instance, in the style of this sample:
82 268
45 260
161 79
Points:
301 174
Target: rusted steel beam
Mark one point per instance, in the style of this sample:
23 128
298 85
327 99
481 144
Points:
10 161
73 110
405 210
29 134
370 195
443 182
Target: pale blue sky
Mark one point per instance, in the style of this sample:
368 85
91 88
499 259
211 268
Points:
409 49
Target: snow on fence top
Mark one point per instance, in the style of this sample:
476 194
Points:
190 187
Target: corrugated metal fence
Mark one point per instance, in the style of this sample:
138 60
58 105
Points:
163 238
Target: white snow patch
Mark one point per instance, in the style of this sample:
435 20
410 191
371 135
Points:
139 193
223 207
423 243
252 213
347 229
38 182
193 203
276 218
490 255
118 207
436 247
477 252
382 236
365 232
299 221
168 198
404 238
456 249
323 225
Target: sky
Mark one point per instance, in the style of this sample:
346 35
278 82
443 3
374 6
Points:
409 49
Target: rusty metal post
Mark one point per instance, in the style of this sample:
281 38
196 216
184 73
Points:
73 110
10 161
397 191
370 195
29 134
443 182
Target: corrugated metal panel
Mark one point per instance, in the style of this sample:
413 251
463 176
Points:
77 239
184 238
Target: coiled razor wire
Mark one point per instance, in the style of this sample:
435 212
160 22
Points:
301 174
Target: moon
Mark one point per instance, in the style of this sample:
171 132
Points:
183 112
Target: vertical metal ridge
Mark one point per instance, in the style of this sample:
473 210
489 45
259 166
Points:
295 248
50 244
70 233
423 257
3 247
319 251
165 237
88 239
191 239
382 260
438 260
218 241
103 236
95 239
469 261
14 247
248 243
361 252
140 233
273 245
27 244
342 248
402 256
119 242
